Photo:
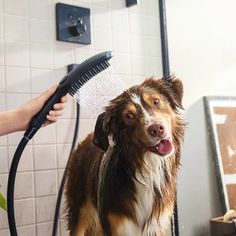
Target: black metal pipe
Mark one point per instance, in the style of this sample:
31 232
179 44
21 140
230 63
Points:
164 39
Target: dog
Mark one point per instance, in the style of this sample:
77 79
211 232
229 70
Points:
121 180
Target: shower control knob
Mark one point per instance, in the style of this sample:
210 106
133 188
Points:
77 28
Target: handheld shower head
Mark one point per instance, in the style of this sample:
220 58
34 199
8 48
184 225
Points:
71 83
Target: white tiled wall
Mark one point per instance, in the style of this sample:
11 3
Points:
31 60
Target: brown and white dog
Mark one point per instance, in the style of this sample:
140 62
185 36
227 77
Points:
122 178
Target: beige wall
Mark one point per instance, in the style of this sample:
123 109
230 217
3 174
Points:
202 51
31 60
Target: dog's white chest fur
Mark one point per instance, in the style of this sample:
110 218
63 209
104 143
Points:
152 177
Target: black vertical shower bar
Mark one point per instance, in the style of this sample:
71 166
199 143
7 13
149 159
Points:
166 73
164 39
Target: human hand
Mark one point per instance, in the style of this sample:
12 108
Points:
32 107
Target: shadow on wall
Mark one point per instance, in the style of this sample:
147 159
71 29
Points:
198 197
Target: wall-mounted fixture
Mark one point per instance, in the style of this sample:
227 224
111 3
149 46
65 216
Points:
73 24
130 3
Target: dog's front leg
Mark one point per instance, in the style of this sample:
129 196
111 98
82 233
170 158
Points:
123 226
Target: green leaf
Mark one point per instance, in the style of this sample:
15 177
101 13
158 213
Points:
3 202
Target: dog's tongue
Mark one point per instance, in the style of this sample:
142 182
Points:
164 147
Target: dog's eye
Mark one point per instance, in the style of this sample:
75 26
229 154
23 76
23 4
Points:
155 101
129 116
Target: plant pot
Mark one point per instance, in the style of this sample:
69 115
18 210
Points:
221 228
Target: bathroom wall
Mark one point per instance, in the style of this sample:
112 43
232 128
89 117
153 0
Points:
202 53
31 60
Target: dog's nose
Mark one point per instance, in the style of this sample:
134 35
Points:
156 130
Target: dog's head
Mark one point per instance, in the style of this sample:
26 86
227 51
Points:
144 116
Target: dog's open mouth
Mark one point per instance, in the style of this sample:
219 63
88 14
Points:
163 147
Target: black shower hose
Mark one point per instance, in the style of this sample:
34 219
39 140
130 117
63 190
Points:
11 185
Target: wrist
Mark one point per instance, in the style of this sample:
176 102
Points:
22 119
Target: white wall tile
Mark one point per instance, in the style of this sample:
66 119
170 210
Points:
45 135
152 46
41 56
2 58
28 230
102 3
63 56
39 9
120 19
102 39
17 79
118 4
122 64
5 232
137 44
65 130
2 79
16 7
3 160
101 17
45 183
82 54
17 54
1 27
16 28
87 126
153 66
45 207
41 31
26 161
145 45
3 184
151 7
59 73
121 42
3 220
63 153
3 140
24 211
45 229
70 109
3 102
142 24
24 185
14 100
138 66
41 79
151 25
45 157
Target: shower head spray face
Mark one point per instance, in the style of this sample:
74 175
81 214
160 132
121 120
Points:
95 94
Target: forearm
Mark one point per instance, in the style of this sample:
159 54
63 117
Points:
11 121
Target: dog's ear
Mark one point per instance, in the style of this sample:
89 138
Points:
100 137
176 90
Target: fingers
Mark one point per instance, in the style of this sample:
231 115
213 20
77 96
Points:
53 115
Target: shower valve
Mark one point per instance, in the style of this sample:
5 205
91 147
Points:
73 24
77 28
